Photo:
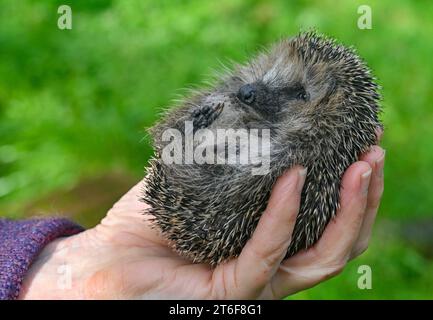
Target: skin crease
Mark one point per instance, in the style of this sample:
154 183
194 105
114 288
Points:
123 258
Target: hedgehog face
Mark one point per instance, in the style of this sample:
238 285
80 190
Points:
283 86
299 89
278 84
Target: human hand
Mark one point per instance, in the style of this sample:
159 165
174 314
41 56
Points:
124 258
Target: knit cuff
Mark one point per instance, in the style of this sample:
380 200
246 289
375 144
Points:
21 242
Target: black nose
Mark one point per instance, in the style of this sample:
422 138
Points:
247 94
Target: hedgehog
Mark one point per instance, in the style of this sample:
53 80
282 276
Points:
310 100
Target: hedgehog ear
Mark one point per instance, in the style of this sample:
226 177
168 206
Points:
332 86
327 91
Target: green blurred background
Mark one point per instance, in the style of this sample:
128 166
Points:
74 105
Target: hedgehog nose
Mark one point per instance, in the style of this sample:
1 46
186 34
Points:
247 94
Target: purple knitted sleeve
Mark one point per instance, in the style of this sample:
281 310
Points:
20 243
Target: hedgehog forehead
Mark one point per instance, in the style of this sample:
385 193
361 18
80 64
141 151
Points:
281 72
286 64
276 68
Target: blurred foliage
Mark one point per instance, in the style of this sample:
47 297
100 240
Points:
75 103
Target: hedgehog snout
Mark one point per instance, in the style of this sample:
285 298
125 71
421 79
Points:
247 94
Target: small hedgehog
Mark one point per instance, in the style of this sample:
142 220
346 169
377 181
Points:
308 100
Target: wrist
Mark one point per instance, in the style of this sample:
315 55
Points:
54 274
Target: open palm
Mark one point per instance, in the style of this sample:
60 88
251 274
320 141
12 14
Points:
124 258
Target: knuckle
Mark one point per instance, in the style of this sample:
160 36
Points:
372 208
286 215
360 248
378 194
291 219
374 201
333 271
267 258
374 198
272 217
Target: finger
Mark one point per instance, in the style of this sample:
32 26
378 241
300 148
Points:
130 205
127 217
263 253
379 134
376 159
329 255
341 233
132 195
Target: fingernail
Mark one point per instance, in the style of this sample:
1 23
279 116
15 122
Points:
365 181
302 173
379 165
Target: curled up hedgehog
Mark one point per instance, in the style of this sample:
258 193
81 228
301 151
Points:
307 101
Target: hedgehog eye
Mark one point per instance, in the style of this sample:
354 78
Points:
296 91
302 95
